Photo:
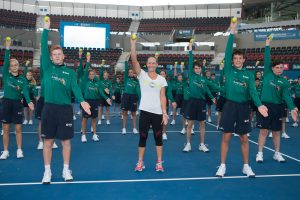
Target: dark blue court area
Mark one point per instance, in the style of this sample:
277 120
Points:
105 169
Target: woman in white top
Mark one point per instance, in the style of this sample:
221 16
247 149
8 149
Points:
152 106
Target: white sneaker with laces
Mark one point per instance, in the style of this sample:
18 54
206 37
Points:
173 122
295 124
79 112
99 122
83 138
164 136
67 175
278 157
209 119
40 146
20 153
177 114
107 122
25 122
135 131
171 113
95 138
221 171
248 171
285 136
259 157
47 177
4 155
54 146
183 131
203 147
287 120
270 135
30 122
74 117
137 112
123 131
187 147
102 117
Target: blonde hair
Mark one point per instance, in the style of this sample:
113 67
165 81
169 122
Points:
14 60
32 81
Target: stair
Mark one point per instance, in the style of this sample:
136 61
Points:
134 26
120 66
218 58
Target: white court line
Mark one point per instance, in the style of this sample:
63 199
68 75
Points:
295 159
110 132
152 180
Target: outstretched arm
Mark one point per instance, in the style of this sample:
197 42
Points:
135 63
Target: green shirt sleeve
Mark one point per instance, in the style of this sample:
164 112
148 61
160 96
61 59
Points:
26 91
101 73
228 54
75 88
286 95
25 70
44 50
6 64
126 71
267 61
80 69
191 64
253 92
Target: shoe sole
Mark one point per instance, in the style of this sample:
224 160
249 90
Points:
259 161
46 183
159 170
69 180
219 176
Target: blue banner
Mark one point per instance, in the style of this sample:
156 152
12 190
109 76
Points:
277 35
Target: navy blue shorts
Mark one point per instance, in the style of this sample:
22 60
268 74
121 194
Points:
39 108
183 110
57 122
196 110
129 102
117 97
12 111
179 100
220 103
284 110
94 109
274 120
235 118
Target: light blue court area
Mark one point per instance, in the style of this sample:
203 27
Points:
105 170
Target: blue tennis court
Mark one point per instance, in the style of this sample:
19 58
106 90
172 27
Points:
105 169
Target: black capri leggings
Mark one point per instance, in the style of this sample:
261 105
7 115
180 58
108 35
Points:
147 119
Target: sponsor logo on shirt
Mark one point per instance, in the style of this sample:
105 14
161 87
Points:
277 87
65 72
61 80
240 83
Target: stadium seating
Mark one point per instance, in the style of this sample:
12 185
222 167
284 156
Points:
116 24
17 19
201 25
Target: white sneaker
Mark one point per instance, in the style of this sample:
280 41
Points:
164 136
25 122
74 117
203 147
285 136
295 124
209 119
79 112
270 135
47 177
137 112
216 113
54 146
187 147
30 122
1 132
67 175
248 171
248 134
102 117
121 116
40 146
20 153
4 155
186 122
235 135
259 157
192 132
171 113
221 171
107 122
173 122
92 130
135 131
183 131
278 157
287 120
95 138
83 138
123 131
99 121
177 114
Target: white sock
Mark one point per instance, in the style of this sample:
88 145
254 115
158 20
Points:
201 144
47 168
222 165
66 167
246 165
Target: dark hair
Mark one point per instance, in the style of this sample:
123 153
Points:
238 52
276 62
197 63
212 74
257 79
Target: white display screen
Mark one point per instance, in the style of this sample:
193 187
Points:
80 36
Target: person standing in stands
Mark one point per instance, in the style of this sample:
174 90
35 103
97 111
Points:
275 91
152 106
57 116
14 86
130 98
239 85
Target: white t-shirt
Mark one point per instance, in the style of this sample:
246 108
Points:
150 92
